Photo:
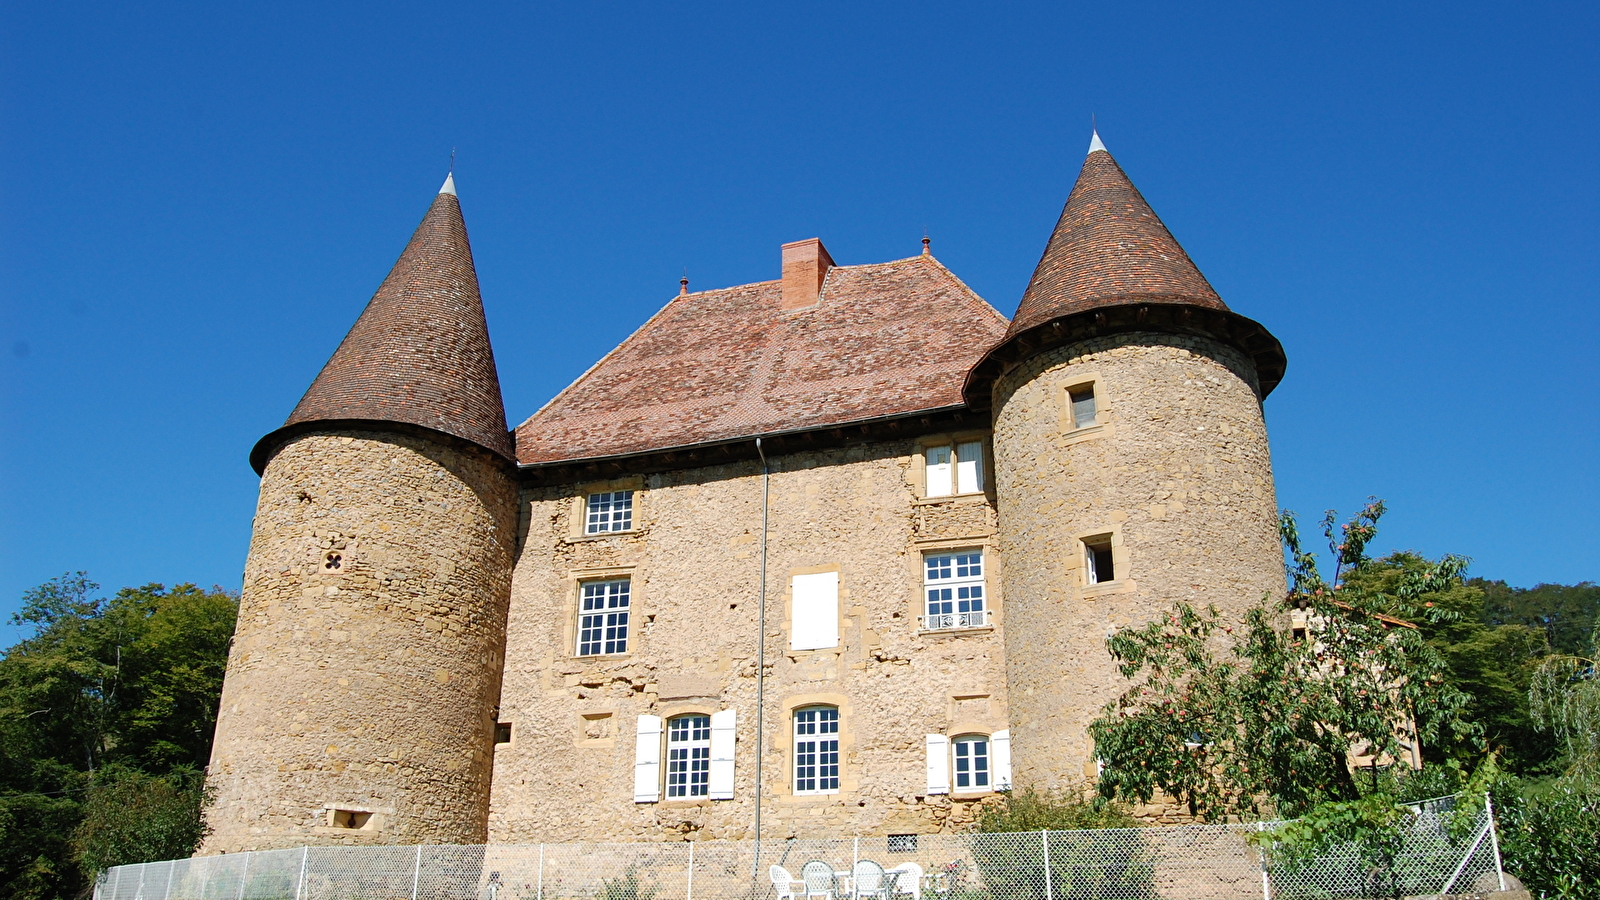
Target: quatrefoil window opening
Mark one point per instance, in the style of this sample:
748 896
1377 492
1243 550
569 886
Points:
333 561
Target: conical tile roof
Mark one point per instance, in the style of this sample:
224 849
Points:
419 355
1112 267
1109 248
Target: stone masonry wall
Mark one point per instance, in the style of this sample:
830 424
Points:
694 557
1176 470
366 664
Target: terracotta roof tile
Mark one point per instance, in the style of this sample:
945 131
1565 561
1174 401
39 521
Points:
1109 248
419 354
886 339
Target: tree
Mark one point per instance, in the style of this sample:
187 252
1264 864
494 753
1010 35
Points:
1567 614
101 694
1224 722
1565 700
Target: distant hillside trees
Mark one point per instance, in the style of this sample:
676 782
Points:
106 715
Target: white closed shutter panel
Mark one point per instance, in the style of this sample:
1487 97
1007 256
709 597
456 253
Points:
938 764
969 468
1000 759
647 760
816 611
938 472
722 737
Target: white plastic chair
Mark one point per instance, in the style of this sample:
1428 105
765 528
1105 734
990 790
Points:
869 880
784 883
818 878
907 880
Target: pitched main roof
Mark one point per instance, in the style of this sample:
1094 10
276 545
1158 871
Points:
1109 248
888 339
419 354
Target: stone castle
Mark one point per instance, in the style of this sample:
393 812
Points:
827 555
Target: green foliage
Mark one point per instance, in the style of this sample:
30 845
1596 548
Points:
1567 614
1222 722
131 817
102 687
1090 853
1565 700
1550 838
627 886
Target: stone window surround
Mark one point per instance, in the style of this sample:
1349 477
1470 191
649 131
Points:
588 714
849 782
578 511
1078 564
918 472
376 817
988 742
636 613
788 609
983 582
991 583
1069 381
668 712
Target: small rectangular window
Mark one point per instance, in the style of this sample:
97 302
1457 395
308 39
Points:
603 619
688 756
954 469
350 818
609 511
902 843
1098 559
1083 406
502 732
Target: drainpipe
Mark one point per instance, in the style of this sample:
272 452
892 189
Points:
761 656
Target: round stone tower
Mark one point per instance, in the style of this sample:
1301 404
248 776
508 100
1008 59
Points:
1131 464
361 687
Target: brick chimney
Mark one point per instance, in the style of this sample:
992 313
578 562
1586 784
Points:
805 266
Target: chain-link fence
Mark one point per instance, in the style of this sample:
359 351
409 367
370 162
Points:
1434 853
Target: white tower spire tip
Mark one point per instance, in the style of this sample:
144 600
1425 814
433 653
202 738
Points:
1094 142
449 185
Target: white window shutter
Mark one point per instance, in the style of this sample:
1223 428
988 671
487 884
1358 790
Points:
722 738
816 611
969 468
938 472
1000 759
938 764
647 760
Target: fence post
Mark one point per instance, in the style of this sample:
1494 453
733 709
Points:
1266 880
305 855
540 894
855 857
688 891
1049 889
416 873
1494 839
244 875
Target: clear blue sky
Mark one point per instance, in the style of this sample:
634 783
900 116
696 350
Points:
198 200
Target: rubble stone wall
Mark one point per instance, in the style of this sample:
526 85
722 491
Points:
694 563
366 663
1175 471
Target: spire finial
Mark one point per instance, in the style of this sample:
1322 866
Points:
925 243
1094 137
683 284
449 186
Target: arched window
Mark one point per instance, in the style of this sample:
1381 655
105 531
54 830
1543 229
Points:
688 756
816 750
969 763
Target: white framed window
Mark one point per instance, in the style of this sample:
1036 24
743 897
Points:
953 591
603 617
816 750
609 511
1099 562
954 469
969 763
688 757
1084 407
